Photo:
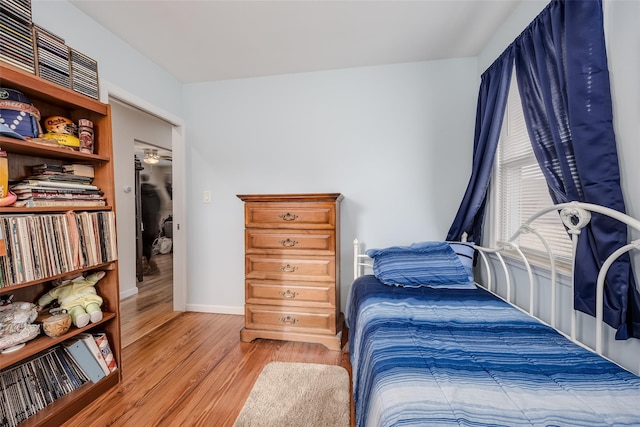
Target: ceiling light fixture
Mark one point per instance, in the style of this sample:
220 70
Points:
151 156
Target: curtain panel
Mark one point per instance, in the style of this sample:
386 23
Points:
563 79
492 101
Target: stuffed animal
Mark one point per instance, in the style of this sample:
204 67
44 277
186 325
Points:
78 297
16 324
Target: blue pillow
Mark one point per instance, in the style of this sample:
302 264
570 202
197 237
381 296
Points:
464 250
431 264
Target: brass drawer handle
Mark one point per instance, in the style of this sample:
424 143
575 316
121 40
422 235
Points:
288 320
288 243
288 268
288 294
288 217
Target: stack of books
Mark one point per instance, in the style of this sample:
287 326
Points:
34 384
16 37
59 185
45 378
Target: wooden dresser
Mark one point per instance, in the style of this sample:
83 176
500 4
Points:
292 268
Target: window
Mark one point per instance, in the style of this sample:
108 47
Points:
520 187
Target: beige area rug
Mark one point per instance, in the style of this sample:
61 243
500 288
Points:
298 394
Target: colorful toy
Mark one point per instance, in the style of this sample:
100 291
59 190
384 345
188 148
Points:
62 130
78 297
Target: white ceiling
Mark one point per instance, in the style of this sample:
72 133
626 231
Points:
208 40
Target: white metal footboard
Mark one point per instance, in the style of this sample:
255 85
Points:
575 216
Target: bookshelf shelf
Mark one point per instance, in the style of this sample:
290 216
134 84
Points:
53 209
35 149
84 395
43 342
53 100
49 92
10 289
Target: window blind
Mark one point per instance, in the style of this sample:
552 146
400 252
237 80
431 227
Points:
521 187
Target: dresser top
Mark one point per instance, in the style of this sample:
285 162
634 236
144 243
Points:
305 197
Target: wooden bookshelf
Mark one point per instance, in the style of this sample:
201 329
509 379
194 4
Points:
28 148
51 99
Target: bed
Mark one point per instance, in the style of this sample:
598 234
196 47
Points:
462 355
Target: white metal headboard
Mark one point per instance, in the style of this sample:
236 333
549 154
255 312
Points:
575 216
361 262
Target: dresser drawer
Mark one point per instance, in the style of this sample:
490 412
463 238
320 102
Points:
290 215
302 242
317 294
302 268
274 318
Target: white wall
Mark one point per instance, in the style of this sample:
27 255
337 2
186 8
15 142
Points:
118 62
395 140
508 31
623 38
317 132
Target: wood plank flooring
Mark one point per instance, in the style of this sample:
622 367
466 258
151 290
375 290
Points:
152 306
187 369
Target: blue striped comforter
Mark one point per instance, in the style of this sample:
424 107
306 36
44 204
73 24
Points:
429 357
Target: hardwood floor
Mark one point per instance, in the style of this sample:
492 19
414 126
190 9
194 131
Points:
152 306
187 369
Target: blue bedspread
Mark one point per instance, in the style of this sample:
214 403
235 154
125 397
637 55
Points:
429 357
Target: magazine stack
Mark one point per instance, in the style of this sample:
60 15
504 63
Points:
59 185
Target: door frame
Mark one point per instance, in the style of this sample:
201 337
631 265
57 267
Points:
109 90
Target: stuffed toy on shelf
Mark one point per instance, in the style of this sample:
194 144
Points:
16 324
78 297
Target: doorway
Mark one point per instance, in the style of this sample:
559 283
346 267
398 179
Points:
135 123
153 175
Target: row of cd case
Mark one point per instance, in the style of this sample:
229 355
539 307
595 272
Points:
33 49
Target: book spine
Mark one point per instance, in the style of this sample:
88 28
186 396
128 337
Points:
3 247
35 249
56 184
53 253
17 257
10 276
57 227
25 247
92 345
111 216
85 359
105 349
54 203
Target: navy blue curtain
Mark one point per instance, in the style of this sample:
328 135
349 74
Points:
492 100
563 79
561 68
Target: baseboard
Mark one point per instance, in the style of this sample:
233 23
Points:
128 293
218 309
